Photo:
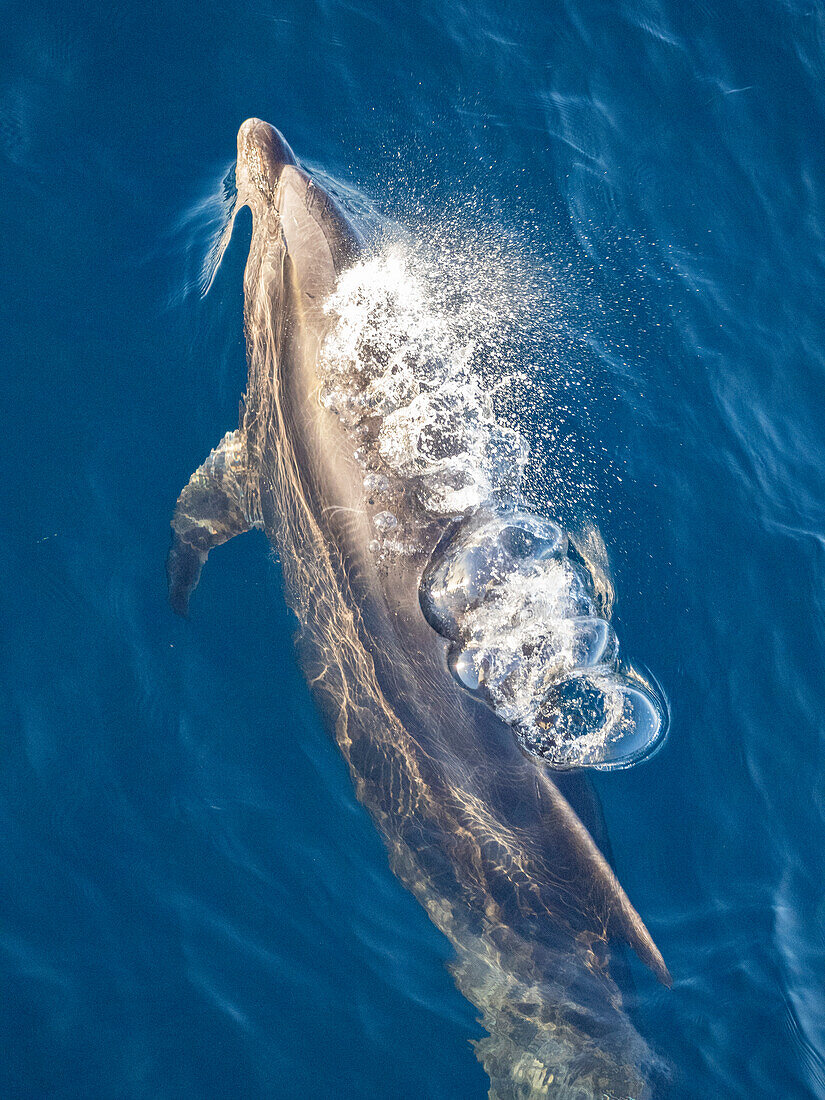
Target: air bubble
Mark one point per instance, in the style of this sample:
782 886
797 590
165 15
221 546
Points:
376 483
385 521
578 596
594 718
468 667
480 556
591 641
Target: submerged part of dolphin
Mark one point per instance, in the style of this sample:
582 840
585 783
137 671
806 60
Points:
475 827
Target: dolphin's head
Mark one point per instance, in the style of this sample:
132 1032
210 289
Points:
262 153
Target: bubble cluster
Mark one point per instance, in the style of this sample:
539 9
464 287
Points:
528 638
406 366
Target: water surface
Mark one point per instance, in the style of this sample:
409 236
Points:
194 904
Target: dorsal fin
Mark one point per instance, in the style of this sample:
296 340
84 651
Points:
218 503
607 896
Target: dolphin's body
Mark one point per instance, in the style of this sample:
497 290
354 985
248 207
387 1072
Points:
475 829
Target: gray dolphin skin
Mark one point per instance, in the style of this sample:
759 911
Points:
477 830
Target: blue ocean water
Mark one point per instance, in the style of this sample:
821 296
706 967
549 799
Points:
193 902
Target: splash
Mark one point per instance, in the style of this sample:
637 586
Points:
407 367
404 375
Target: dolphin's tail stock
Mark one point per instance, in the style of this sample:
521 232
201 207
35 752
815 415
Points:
530 1057
530 912
555 1024
556 1027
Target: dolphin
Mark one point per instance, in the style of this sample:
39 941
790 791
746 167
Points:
478 831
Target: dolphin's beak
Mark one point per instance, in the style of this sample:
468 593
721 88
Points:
262 153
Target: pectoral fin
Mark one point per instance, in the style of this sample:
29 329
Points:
218 503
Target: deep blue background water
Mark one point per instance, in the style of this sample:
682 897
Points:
193 904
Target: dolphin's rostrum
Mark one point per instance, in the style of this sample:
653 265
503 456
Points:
475 827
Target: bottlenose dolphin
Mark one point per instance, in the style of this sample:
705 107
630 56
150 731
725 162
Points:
477 830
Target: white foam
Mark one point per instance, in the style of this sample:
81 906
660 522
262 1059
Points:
400 367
